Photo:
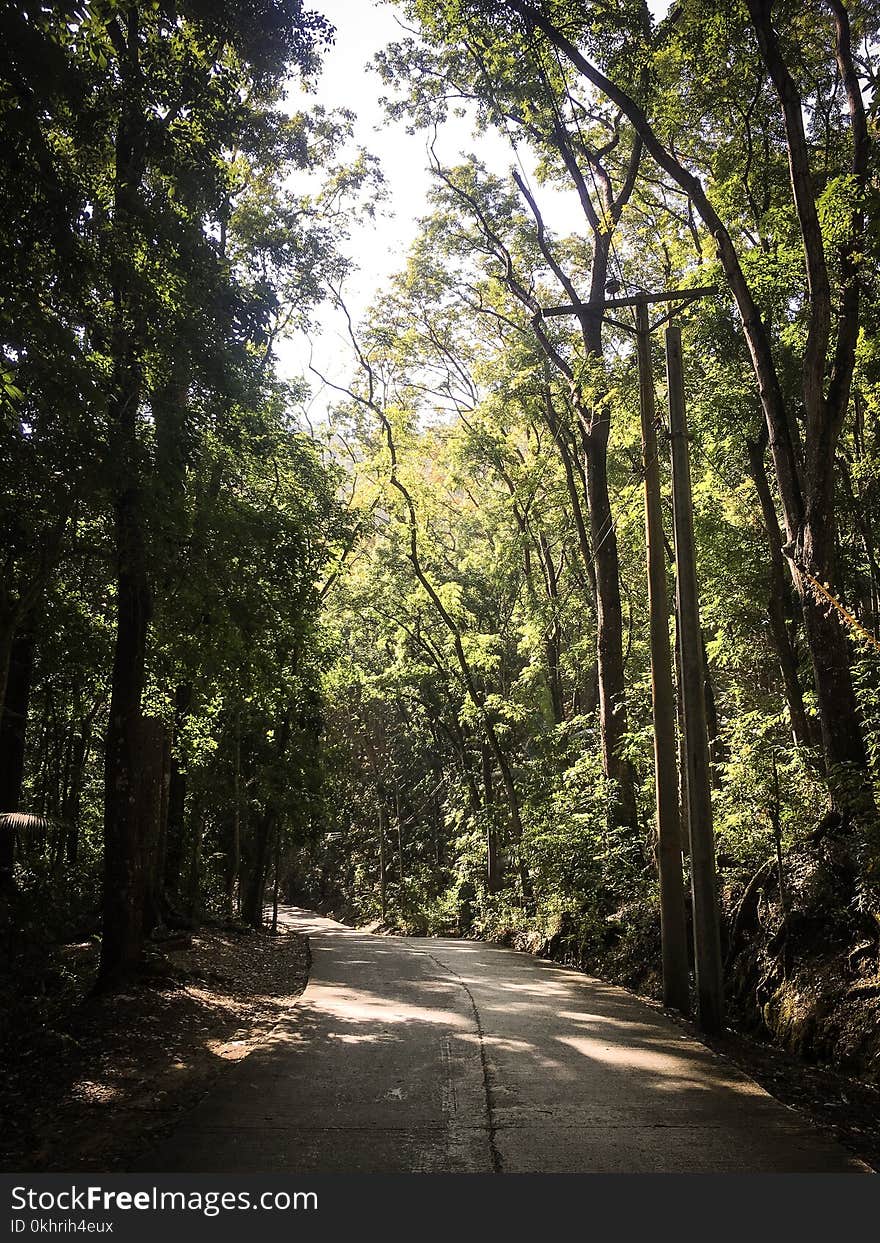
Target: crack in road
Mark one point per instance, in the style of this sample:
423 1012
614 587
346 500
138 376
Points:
564 1074
488 1093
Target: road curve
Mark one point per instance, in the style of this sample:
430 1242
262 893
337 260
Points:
423 1055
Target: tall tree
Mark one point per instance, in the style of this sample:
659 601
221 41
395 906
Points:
523 91
803 429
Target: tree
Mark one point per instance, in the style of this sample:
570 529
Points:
169 255
520 90
803 451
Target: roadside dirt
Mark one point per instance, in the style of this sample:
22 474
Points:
846 1108
101 1079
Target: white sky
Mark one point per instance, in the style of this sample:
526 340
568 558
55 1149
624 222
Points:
380 247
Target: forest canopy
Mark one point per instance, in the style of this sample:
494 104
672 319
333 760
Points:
400 660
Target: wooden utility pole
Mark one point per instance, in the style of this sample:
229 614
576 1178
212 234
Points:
707 941
673 926
682 296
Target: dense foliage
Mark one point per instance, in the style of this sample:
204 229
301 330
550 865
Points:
401 666
164 519
480 739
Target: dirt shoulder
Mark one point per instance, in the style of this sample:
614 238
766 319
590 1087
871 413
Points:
846 1108
99 1080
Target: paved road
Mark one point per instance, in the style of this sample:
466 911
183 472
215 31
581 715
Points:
410 1054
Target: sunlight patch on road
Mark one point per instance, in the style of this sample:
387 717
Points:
366 1038
667 1068
350 1006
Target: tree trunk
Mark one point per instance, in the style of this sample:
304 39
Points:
596 429
233 865
12 746
609 626
14 720
603 561
803 445
70 808
124 876
573 478
276 881
150 800
383 882
717 748
780 588
177 786
194 868
595 426
553 639
681 753
842 740
252 902
124 879
162 844
494 879
7 640
401 871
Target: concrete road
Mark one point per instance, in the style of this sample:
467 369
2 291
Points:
422 1055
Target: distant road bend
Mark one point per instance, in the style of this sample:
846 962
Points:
440 1056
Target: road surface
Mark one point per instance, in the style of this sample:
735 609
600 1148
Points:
425 1055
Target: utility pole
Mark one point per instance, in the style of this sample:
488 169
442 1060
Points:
673 926
707 941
